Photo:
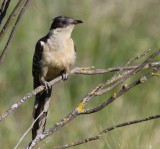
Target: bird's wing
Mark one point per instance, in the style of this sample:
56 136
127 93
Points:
42 99
37 60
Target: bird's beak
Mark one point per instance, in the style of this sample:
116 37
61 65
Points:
77 22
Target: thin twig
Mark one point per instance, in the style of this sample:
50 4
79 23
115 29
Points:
114 81
120 79
28 130
93 71
3 9
10 19
5 50
99 136
138 57
120 93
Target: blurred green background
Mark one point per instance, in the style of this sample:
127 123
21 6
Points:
113 32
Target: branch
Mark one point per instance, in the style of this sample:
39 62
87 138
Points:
5 50
26 97
120 79
77 70
79 109
28 130
77 112
3 9
10 19
124 89
92 71
99 136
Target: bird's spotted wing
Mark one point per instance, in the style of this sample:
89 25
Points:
37 59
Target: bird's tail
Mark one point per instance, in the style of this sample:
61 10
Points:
40 110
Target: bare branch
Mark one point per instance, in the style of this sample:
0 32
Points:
28 130
120 93
26 97
138 57
3 9
95 92
10 19
93 71
124 72
120 79
5 50
99 136
73 71
79 109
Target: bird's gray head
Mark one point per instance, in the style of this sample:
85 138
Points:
64 22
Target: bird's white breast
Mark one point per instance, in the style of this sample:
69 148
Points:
58 54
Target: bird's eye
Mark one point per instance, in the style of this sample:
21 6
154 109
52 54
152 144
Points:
64 22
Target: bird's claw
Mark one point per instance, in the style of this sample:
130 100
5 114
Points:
65 76
46 85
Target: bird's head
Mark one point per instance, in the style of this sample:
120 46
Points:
64 24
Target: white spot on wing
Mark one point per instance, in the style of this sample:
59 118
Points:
42 43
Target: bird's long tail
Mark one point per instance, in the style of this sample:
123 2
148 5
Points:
40 109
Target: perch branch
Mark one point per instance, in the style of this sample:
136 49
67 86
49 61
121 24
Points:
25 98
93 71
76 70
79 109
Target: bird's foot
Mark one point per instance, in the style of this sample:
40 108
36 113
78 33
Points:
46 85
65 76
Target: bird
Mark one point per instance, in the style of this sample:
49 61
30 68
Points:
54 56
